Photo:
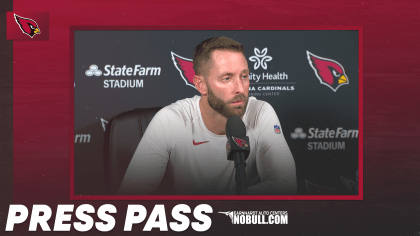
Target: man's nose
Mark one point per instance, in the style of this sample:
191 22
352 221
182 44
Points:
239 86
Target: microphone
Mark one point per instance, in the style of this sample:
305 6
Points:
237 149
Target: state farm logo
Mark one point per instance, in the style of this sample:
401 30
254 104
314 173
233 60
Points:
260 58
82 138
112 70
93 70
124 71
317 133
298 134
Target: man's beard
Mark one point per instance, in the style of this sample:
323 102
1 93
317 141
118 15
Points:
223 107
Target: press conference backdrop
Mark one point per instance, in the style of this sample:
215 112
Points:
309 77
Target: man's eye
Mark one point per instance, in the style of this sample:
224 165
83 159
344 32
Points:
226 78
245 77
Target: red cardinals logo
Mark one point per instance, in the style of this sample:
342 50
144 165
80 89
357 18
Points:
28 26
185 68
329 72
240 142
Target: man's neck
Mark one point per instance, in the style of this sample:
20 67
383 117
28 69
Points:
213 120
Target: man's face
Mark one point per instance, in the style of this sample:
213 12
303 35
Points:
228 83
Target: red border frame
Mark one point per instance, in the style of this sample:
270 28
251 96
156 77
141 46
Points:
215 197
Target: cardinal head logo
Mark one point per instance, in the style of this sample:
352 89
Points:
185 68
329 72
240 142
28 26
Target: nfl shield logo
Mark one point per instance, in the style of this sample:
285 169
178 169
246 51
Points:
277 129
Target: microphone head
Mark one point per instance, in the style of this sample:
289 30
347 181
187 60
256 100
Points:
235 126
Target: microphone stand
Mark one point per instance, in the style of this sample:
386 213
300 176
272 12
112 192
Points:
238 149
240 174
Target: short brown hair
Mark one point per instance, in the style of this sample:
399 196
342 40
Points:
202 52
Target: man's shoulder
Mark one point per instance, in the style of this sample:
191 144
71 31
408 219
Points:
255 103
182 110
256 110
255 107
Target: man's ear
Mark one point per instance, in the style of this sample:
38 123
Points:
200 84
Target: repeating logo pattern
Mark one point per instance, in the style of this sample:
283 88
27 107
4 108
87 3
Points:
104 122
329 72
93 70
298 134
240 142
28 26
185 68
261 58
82 138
